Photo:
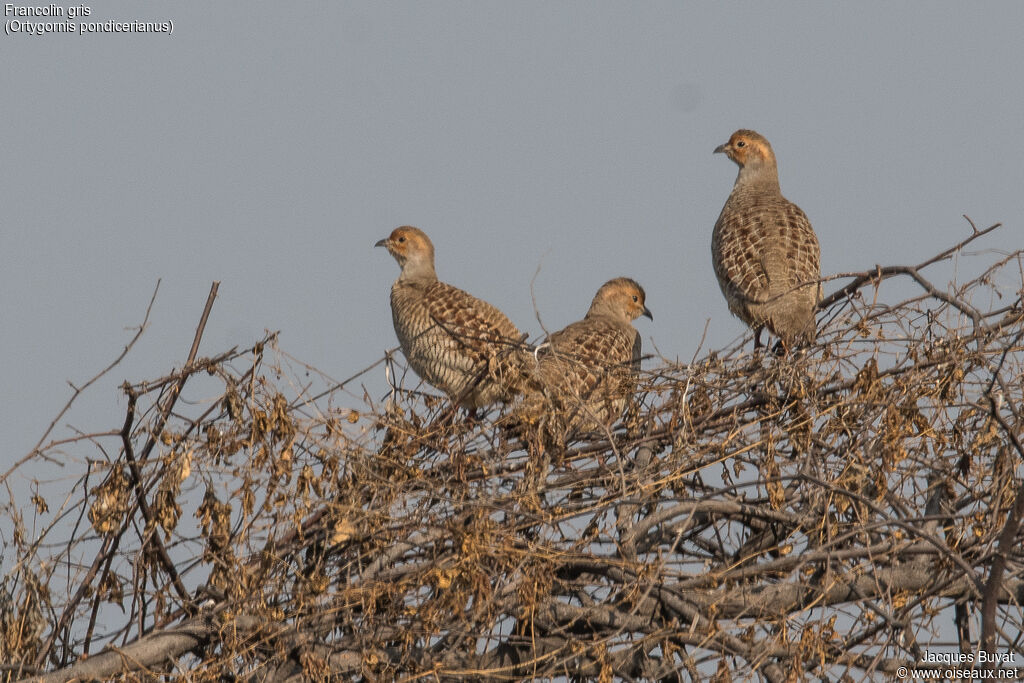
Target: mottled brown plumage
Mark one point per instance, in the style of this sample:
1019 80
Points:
763 247
463 346
586 372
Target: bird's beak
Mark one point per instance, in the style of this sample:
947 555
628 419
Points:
721 148
647 313
382 243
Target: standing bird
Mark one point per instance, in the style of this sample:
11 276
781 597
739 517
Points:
587 371
764 250
463 346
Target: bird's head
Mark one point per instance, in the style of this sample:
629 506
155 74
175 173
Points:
411 248
622 298
748 148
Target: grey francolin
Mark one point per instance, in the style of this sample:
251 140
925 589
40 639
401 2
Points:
764 250
586 372
462 345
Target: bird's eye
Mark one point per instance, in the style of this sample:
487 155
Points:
741 143
401 239
636 298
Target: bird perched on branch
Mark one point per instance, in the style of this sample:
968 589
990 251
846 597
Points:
765 253
462 345
586 372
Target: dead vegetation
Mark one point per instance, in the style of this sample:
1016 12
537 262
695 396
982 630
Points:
835 513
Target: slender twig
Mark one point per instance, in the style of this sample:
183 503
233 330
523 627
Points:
880 273
1011 526
38 448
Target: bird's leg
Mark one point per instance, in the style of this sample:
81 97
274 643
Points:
757 337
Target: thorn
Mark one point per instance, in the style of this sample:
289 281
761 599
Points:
973 226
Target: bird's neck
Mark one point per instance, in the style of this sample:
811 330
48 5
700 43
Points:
761 177
418 269
600 309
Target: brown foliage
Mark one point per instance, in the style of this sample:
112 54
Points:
836 512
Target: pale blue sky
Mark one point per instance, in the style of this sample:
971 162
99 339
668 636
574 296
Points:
269 146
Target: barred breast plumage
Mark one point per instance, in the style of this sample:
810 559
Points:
586 372
460 344
763 248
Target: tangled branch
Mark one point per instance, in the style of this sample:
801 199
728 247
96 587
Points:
832 513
